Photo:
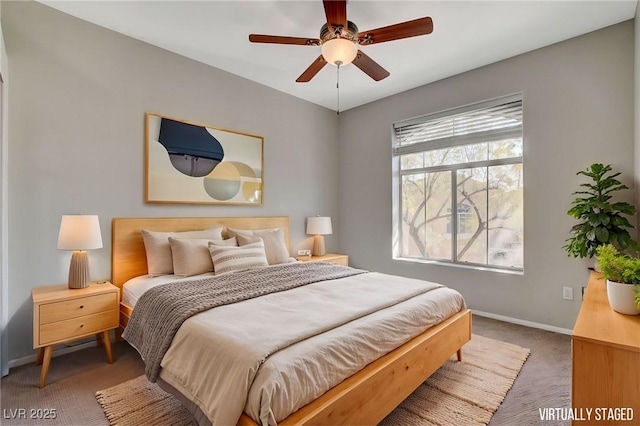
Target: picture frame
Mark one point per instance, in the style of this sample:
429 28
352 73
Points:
192 163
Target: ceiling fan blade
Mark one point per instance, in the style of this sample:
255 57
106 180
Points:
370 67
407 29
336 11
261 38
313 69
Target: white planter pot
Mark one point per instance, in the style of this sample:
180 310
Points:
622 298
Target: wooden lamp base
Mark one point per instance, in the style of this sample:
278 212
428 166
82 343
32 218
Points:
79 270
318 246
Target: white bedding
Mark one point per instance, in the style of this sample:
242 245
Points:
135 287
298 374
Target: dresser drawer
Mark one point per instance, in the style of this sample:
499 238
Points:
58 311
77 327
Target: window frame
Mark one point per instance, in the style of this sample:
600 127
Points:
399 173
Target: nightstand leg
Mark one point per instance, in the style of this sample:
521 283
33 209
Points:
40 356
99 339
45 366
459 353
107 346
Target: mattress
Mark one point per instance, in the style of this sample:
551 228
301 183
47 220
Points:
299 373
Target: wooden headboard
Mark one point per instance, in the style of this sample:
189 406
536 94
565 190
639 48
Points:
128 256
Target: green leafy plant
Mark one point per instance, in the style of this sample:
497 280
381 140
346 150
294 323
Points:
617 266
621 268
602 221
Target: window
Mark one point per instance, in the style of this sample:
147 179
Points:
469 161
464 218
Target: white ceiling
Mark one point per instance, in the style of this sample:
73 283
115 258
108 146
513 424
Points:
467 35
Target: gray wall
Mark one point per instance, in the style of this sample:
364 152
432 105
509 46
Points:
636 154
76 145
4 252
578 109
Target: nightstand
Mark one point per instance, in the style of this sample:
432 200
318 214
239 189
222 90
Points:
340 259
61 314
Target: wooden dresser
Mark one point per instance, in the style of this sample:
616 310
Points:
605 354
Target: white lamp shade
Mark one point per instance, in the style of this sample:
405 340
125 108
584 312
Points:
319 225
79 232
339 50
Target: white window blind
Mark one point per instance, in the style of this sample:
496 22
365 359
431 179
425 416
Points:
491 120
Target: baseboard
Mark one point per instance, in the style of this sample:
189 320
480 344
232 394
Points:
523 322
61 351
64 349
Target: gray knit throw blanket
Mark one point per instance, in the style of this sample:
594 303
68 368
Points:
160 311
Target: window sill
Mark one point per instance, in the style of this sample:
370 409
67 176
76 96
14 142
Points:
459 265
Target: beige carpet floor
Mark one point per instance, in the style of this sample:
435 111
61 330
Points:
466 393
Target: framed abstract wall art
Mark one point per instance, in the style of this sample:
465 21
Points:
189 163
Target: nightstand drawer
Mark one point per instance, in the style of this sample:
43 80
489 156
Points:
338 259
78 327
344 260
58 311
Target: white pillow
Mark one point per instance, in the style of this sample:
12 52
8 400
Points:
229 259
274 244
191 255
156 244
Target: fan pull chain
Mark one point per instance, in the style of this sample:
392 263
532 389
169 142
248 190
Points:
338 63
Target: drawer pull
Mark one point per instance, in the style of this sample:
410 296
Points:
81 306
81 325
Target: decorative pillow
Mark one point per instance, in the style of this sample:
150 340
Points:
156 244
191 255
229 259
243 240
274 244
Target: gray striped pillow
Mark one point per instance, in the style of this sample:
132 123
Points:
229 259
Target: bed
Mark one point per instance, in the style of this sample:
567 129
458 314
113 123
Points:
365 397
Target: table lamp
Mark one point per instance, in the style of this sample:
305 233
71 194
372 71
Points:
79 233
319 226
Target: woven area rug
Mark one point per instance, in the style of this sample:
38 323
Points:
140 402
466 393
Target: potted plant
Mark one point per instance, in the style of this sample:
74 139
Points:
622 272
602 221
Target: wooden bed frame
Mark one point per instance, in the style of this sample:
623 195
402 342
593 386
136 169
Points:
364 398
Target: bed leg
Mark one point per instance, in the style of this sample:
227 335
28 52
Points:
118 333
459 353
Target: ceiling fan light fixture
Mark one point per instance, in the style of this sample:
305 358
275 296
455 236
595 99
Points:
340 40
339 50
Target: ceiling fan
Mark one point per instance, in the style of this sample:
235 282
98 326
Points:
340 39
